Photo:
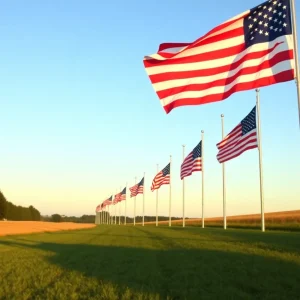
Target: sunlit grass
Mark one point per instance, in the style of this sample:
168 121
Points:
126 262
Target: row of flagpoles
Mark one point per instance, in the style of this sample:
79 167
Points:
245 136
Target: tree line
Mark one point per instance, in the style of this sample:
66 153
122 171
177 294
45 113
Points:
12 212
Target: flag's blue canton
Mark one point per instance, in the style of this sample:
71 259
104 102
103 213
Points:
166 170
197 151
249 123
124 191
267 22
141 183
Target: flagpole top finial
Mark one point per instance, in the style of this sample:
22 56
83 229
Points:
222 115
257 90
202 131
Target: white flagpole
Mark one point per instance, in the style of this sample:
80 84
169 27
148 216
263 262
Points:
134 205
144 201
101 217
170 193
183 193
116 209
126 206
224 181
120 208
108 208
260 162
297 75
157 202
106 215
202 154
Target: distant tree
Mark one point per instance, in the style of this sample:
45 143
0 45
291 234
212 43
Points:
3 206
56 218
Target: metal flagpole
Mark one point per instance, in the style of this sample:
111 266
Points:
144 201
120 208
224 182
125 206
108 215
260 163
157 202
202 154
183 193
134 205
170 195
293 13
101 219
116 209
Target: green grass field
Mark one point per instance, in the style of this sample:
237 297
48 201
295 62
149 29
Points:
126 262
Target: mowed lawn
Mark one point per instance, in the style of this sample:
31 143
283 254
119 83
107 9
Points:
126 262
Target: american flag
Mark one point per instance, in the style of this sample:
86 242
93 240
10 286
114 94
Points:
120 196
251 50
163 177
107 201
193 162
137 189
242 138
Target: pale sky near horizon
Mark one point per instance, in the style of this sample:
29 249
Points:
80 118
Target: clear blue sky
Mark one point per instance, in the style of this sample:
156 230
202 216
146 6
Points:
79 117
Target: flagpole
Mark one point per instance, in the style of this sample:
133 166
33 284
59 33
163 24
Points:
120 207
144 201
107 209
116 209
170 193
126 206
108 214
183 193
202 154
293 13
134 204
157 202
224 182
260 163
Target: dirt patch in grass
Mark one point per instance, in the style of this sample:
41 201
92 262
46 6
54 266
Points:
26 227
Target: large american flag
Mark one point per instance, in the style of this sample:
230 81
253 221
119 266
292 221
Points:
243 137
193 162
251 50
163 177
137 189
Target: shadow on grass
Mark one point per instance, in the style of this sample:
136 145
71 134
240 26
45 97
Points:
177 273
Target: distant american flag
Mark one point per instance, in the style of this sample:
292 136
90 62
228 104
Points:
107 201
120 196
193 162
137 189
99 208
163 177
251 50
242 138
123 194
